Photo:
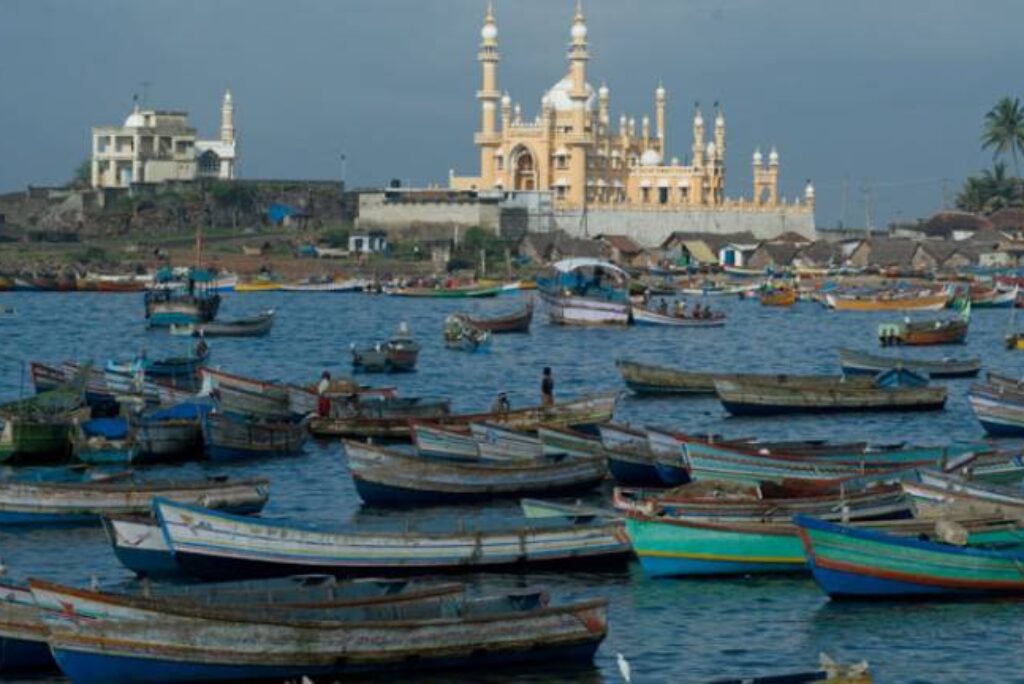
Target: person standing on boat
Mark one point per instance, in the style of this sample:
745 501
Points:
547 388
201 347
323 404
501 405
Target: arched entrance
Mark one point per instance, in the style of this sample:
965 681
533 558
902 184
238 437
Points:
524 169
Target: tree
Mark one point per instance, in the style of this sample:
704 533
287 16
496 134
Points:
83 172
1004 130
991 191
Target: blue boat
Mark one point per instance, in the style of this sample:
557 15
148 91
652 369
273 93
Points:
23 646
186 302
138 543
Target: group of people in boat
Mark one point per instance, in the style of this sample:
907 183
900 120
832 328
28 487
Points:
678 308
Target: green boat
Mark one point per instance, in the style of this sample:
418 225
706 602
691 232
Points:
446 292
38 429
671 547
849 562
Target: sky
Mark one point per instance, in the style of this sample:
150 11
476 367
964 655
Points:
884 98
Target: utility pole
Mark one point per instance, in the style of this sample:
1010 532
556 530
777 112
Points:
866 191
945 194
343 160
842 201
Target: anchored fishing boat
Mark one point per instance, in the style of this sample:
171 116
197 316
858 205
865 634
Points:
586 291
923 333
229 438
398 354
515 322
855 362
643 378
389 478
462 335
646 316
253 326
919 300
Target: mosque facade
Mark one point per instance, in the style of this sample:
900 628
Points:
620 174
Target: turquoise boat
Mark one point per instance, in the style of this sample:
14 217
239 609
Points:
670 547
849 562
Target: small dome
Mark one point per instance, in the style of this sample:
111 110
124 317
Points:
135 119
579 31
650 158
559 95
227 96
698 118
711 148
602 92
757 156
809 190
660 92
489 32
506 100
773 156
719 120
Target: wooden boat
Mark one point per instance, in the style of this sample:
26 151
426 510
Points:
213 545
38 429
785 296
555 441
993 298
99 449
469 291
22 634
587 410
585 291
398 354
441 442
674 547
829 671
313 595
266 401
725 501
254 326
924 300
848 562
643 316
643 378
499 443
999 407
924 333
389 478
462 335
258 286
935 495
35 503
515 322
855 362
383 407
331 286
196 304
488 632
760 399
630 460
229 438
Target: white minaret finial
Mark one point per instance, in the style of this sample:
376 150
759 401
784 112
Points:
227 118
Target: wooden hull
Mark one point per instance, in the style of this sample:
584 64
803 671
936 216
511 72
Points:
785 297
389 478
169 439
941 332
753 400
644 378
643 316
236 650
35 441
229 439
854 362
1000 414
518 322
853 563
230 544
927 302
584 411
570 310
258 326
442 293
68 503
431 440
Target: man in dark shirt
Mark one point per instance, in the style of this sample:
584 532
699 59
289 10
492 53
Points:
547 388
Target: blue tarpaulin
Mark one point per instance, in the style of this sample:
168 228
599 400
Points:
277 213
111 428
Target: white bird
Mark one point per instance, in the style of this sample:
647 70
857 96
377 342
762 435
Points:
624 668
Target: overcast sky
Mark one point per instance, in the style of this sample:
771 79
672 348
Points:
888 94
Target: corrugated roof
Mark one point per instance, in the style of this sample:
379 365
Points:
700 251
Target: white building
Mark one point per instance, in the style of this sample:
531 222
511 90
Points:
156 146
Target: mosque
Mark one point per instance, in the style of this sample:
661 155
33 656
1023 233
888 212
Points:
619 179
155 146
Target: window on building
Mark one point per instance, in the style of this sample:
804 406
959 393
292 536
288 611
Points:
662 195
561 161
209 163
684 195
560 192
645 195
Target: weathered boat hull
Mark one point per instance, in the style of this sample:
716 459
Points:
854 362
643 316
854 563
929 302
518 322
34 441
140 546
752 400
229 439
389 478
569 310
257 326
169 439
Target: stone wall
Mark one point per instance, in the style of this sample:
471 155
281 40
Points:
375 212
650 228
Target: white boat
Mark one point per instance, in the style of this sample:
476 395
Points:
586 291
350 285
642 316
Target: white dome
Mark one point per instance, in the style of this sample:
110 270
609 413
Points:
719 120
506 100
558 96
650 158
135 119
489 32
773 158
809 190
660 92
757 156
602 91
579 30
711 148
698 119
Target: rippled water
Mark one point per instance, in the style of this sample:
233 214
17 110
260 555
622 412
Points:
670 630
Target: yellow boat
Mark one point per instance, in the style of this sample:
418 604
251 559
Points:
920 302
1015 341
785 296
258 286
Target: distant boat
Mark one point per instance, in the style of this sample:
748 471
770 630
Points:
335 286
446 292
515 322
586 292
253 326
645 316
398 354
854 362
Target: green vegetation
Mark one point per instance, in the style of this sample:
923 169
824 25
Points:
467 254
83 172
993 189
93 255
337 239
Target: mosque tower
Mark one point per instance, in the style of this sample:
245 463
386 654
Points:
579 95
489 96
227 118
659 115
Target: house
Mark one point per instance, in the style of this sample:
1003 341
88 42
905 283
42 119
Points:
1008 220
736 254
945 225
934 256
884 253
791 237
541 248
371 242
625 251
700 249
820 254
774 255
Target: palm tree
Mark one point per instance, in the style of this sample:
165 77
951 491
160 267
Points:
1004 130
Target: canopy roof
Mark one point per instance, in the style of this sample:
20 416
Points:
574 264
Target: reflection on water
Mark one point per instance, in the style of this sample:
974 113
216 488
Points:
670 630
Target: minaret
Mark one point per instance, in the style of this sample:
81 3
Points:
773 177
506 111
578 57
659 115
227 118
698 137
758 164
720 133
489 96
645 128
809 193
602 106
